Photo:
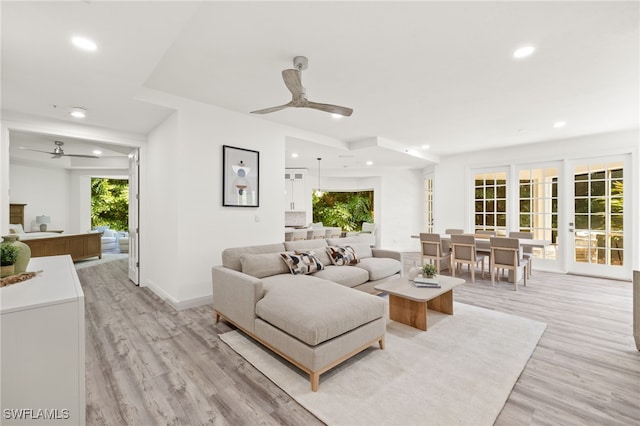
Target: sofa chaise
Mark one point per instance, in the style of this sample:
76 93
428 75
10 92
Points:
315 319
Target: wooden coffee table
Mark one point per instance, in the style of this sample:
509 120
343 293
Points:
409 304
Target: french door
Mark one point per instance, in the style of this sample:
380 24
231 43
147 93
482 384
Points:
598 227
538 210
134 199
428 202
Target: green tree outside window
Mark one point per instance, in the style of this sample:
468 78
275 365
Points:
110 203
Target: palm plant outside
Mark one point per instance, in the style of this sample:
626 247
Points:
110 203
346 210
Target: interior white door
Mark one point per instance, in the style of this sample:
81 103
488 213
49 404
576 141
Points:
134 199
599 230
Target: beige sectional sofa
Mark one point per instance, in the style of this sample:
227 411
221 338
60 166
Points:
315 321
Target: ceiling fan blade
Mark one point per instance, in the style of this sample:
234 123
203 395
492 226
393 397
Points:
293 81
80 155
272 109
334 109
36 150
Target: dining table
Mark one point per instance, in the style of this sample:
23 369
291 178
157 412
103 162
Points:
524 242
483 244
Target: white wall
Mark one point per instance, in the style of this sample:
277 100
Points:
63 195
45 191
452 197
184 227
75 210
159 204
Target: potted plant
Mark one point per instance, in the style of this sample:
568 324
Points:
8 256
429 270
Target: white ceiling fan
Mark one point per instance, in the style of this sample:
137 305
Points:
58 152
293 80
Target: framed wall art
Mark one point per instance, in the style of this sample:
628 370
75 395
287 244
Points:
240 177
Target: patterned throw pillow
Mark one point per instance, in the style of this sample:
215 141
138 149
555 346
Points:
302 262
341 256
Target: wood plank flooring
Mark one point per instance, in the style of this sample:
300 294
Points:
148 364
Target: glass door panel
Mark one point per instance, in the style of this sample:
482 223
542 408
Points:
538 207
598 218
491 202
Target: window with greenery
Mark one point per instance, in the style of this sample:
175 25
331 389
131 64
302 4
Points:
347 210
491 202
110 203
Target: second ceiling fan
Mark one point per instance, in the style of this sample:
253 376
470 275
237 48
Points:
58 152
293 80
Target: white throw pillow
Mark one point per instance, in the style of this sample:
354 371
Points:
16 228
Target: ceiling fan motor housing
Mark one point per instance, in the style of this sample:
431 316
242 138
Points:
300 63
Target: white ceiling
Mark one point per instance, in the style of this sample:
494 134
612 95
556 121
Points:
415 73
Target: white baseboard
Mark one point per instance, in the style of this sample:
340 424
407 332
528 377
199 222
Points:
178 305
191 303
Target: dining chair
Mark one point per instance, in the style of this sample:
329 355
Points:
463 251
333 232
435 250
506 253
453 231
527 252
299 234
483 246
315 233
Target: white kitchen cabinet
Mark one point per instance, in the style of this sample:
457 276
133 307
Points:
294 186
43 346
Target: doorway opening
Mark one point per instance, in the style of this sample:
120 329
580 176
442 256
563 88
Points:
110 213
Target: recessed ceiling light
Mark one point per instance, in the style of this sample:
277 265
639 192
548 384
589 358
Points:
559 124
78 112
294 155
425 147
336 116
523 52
369 163
97 152
84 43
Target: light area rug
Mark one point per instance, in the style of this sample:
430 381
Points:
459 372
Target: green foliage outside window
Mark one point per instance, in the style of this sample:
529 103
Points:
110 203
347 210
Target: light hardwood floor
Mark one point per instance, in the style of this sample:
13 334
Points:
148 364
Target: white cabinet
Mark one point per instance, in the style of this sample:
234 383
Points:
294 187
43 346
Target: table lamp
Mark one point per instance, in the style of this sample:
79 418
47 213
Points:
43 221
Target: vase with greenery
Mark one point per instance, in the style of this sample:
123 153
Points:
24 252
8 256
429 270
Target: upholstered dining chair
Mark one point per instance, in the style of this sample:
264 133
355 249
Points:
527 252
483 246
463 252
507 254
332 232
315 233
435 250
453 231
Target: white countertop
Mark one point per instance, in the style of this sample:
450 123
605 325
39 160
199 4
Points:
58 283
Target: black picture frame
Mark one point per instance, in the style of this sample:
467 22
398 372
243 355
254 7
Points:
240 177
